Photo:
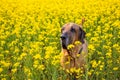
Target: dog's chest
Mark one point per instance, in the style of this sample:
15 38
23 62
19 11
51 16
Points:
68 62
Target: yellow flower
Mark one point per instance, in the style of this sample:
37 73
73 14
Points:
5 64
26 70
2 43
78 70
72 70
16 64
22 56
90 72
103 79
3 79
91 47
109 55
29 74
1 55
77 42
88 34
35 65
101 67
7 51
115 45
70 46
49 52
37 56
14 70
78 55
115 68
1 69
41 67
36 62
16 50
47 56
67 70
67 62
94 63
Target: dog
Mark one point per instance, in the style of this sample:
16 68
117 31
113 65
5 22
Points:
70 33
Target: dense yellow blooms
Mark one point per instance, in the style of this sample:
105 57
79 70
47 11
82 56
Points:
30 38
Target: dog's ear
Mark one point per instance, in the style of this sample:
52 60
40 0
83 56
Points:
82 22
81 35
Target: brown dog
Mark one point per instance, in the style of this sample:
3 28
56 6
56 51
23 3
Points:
70 33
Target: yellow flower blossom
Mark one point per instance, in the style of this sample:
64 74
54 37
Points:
94 63
41 67
77 42
115 45
3 79
72 70
2 43
115 68
36 62
37 56
16 64
109 55
103 79
1 69
14 70
90 72
101 67
5 64
91 47
70 46
22 56
88 34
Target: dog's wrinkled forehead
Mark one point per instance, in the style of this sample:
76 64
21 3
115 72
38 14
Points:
70 26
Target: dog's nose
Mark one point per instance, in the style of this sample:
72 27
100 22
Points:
63 37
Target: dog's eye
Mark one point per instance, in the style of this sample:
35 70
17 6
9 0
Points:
72 29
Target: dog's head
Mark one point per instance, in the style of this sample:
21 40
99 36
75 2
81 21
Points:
70 33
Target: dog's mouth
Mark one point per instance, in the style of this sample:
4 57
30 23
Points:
65 43
64 46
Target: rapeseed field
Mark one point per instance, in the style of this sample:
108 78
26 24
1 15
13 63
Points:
30 38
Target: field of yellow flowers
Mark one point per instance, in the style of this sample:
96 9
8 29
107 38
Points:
30 38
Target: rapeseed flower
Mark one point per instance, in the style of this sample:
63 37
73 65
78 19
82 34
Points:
1 69
37 56
3 79
70 46
41 67
109 55
77 42
5 64
16 64
14 70
91 47
115 68
94 63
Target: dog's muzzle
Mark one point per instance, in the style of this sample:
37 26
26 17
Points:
64 41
